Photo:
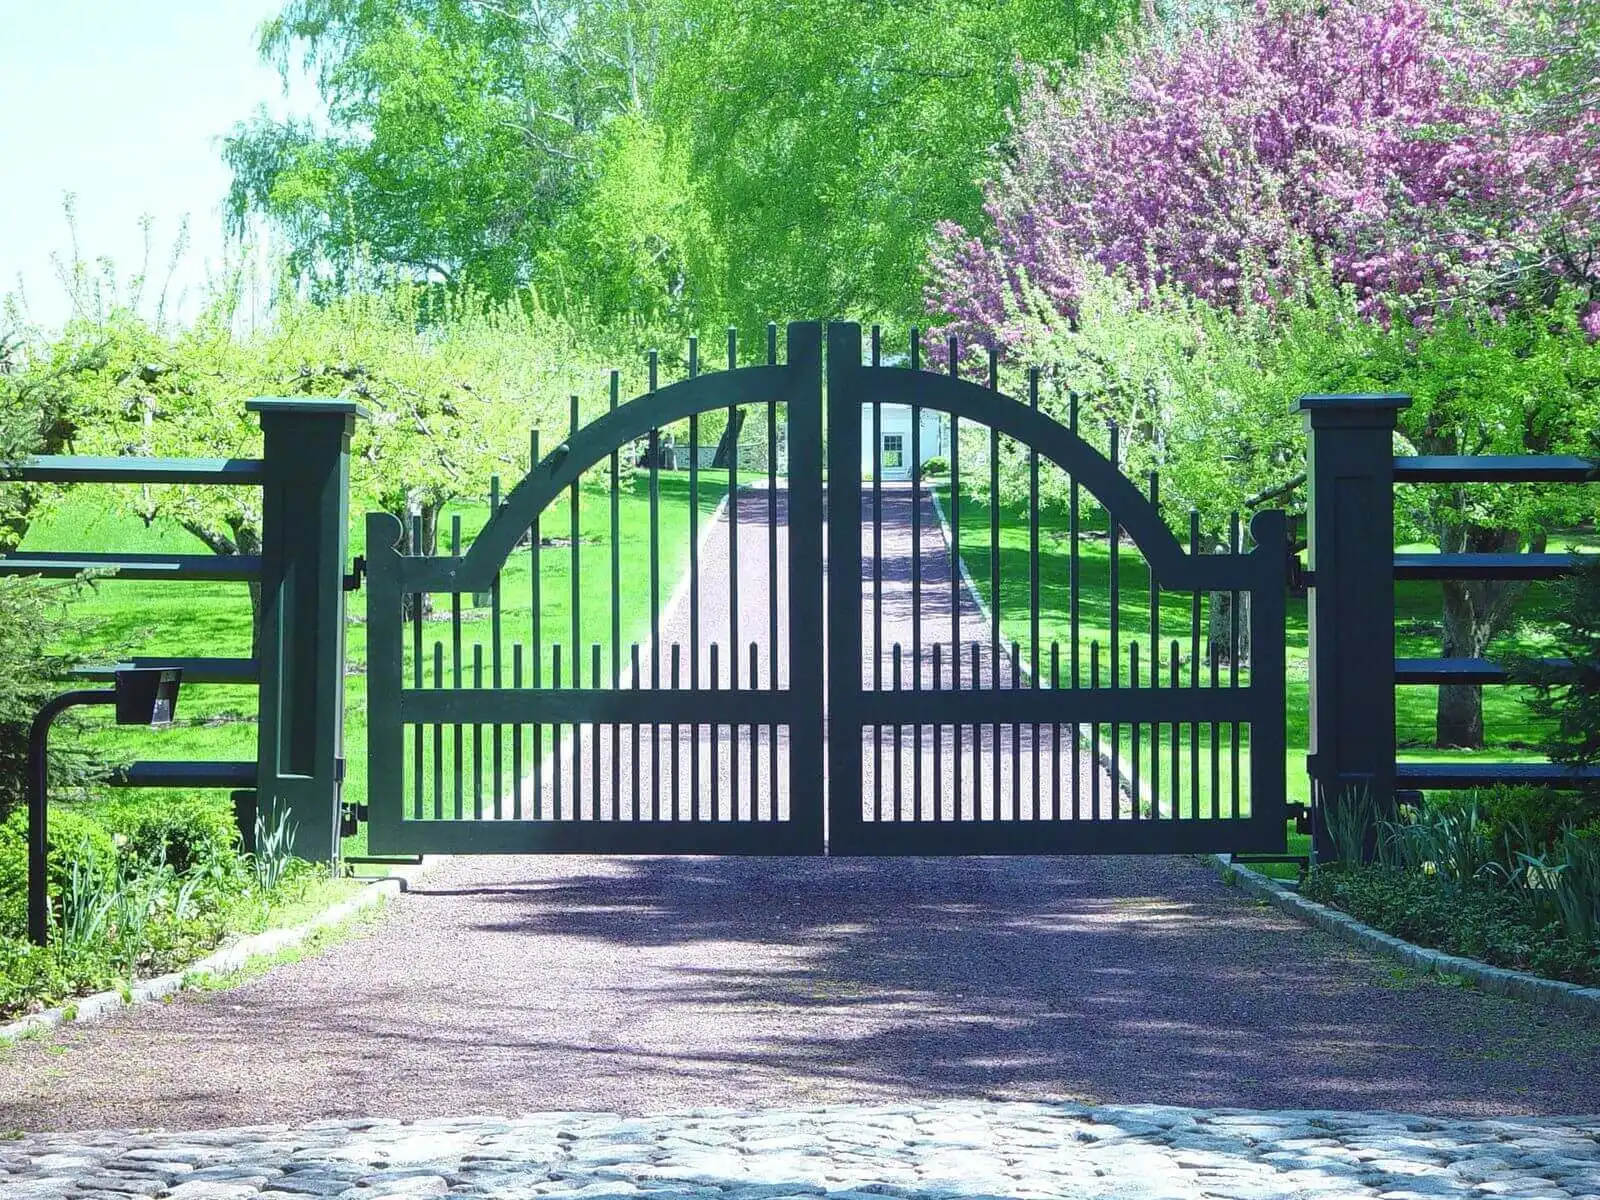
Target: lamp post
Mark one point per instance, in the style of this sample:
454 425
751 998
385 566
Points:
143 696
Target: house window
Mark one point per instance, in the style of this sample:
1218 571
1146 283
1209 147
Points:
893 452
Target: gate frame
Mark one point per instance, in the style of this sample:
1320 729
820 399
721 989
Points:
796 383
853 709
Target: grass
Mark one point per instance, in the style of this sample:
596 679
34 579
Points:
122 618
1511 732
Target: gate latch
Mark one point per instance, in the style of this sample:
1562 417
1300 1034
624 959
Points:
1300 576
352 581
350 818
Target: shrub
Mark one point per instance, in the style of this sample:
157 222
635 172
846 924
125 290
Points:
178 830
1478 920
69 832
1569 693
1532 817
937 465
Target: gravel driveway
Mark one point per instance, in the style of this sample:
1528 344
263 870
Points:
640 985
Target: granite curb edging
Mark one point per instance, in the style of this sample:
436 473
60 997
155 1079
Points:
1520 985
221 962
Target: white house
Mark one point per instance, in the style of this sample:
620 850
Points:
894 439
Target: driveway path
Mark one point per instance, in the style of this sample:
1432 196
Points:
640 985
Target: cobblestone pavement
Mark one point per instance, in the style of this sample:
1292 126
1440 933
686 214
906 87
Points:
948 1150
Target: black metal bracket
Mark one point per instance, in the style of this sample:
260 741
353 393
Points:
352 581
1302 817
350 818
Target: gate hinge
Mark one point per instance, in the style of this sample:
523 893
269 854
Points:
352 581
1301 577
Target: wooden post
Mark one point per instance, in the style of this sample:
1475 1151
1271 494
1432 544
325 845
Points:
1350 613
305 511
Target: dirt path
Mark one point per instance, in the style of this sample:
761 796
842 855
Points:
649 984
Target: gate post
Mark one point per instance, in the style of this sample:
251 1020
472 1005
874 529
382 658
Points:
1350 612
300 646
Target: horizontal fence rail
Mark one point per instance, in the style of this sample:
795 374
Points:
1353 666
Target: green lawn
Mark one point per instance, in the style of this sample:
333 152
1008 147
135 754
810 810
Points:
1511 731
122 618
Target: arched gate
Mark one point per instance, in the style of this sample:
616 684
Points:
788 693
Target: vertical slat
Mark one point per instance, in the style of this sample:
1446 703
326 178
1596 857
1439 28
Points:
733 552
574 574
877 563
977 743
456 666
438 738
417 756
755 749
938 738
498 747
655 600
899 730
1216 749
535 603
677 738
555 738
957 731
477 737
1174 681
1055 737
616 603
1194 670
716 775
1114 546
1074 579
596 792
1155 660
772 569
1133 782
694 577
516 740
1094 736
916 599
1236 544
638 732
994 575
1016 742
1034 649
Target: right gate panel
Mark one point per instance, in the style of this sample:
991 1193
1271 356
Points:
1023 657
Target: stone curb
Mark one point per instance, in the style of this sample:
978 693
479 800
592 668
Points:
1549 993
219 962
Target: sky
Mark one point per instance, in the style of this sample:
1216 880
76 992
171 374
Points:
123 103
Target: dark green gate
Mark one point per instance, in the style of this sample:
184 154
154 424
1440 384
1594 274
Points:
1010 714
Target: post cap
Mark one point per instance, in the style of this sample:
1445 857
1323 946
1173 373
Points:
1351 410
330 405
1367 401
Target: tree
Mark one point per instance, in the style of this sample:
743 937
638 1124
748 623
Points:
826 141
1368 139
458 132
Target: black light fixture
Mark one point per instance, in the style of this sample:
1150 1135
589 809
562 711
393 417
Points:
143 696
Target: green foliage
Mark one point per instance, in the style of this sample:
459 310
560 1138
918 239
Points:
936 466
1532 818
1480 920
33 620
80 848
685 161
182 830
1568 692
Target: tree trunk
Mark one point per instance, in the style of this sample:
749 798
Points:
427 514
1225 642
1474 612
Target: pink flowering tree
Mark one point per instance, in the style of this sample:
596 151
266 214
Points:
1439 167
1361 132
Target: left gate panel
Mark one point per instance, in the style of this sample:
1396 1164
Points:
598 660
